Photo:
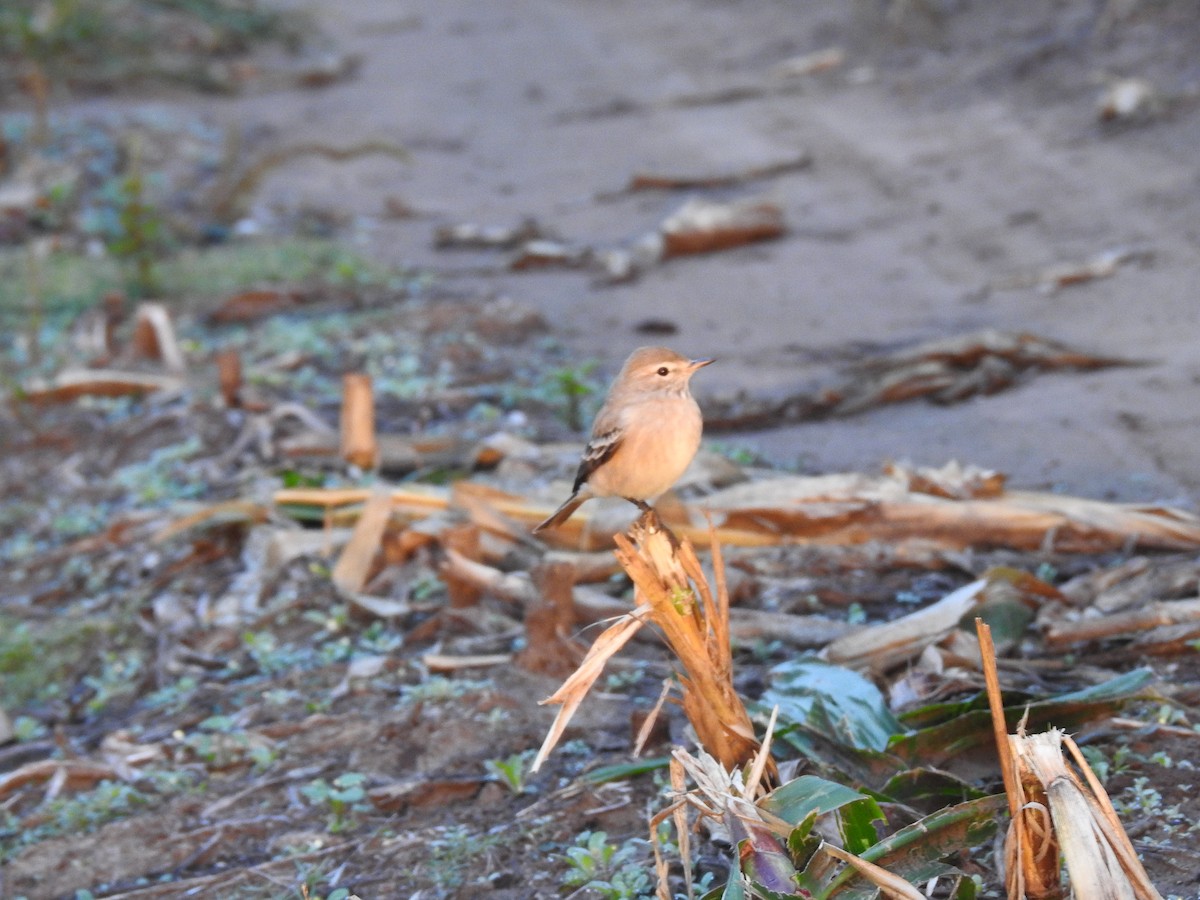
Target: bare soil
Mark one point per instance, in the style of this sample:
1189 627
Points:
957 153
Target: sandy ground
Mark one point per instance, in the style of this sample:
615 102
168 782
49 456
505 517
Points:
956 152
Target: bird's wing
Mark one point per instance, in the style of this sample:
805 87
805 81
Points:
599 450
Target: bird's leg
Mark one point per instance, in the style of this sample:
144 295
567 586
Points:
649 516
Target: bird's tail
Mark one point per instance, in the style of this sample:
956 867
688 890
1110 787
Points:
563 513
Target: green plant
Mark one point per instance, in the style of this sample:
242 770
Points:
79 813
623 679
614 872
343 798
138 235
454 850
512 771
117 678
267 654
439 688
567 387
738 454
1106 766
36 663
220 743
172 697
165 475
28 729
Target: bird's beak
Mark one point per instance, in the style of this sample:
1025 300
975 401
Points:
695 364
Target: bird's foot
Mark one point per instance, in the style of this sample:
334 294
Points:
649 516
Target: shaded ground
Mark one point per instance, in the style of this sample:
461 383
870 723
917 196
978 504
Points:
957 153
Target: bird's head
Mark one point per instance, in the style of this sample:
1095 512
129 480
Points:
658 368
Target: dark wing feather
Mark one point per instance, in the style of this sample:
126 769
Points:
599 450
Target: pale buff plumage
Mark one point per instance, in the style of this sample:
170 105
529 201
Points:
644 436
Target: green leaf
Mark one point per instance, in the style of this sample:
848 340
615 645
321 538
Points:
623 771
928 789
862 889
832 700
919 848
808 796
836 761
802 843
795 801
943 744
1007 616
735 887
936 713
857 821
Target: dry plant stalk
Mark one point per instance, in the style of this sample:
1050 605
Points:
353 567
154 337
1031 848
695 624
229 377
1156 614
732 798
673 593
71 384
359 444
1058 815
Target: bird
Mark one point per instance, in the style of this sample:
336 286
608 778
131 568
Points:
644 436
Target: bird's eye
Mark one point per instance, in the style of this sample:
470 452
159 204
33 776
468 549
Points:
663 371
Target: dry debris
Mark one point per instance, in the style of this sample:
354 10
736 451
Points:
944 370
699 226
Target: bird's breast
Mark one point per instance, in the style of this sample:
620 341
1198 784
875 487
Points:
660 439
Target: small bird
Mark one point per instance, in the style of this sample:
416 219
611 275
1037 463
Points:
644 436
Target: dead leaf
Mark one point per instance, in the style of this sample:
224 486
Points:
881 647
75 774
249 306
953 480
229 377
854 509
811 63
154 337
215 515
545 254
704 226
1153 615
71 384
379 607
1130 99
469 236
646 181
442 663
424 793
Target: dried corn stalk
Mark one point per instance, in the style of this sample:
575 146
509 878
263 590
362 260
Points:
673 594
1058 817
359 444
1060 811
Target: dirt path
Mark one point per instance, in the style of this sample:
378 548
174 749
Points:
953 154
